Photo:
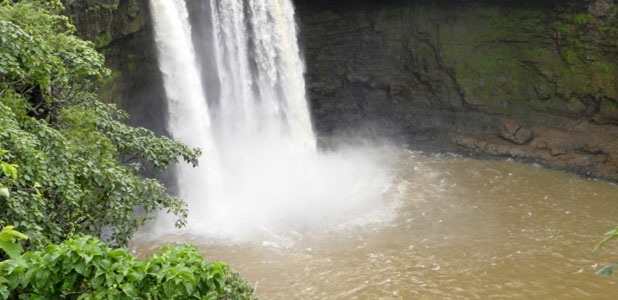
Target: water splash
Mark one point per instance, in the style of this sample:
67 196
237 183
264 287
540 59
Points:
261 170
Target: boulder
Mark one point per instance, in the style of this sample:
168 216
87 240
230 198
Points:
511 131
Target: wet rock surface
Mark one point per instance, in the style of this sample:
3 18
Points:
511 131
122 31
494 78
585 148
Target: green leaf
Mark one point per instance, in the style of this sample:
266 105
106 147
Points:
8 230
13 250
128 289
9 170
610 235
607 270
4 292
116 253
189 288
81 268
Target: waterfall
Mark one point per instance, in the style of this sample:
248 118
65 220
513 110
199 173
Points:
260 72
260 167
188 112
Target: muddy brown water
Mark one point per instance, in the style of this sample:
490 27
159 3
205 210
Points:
463 229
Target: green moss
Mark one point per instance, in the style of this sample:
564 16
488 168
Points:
131 63
103 16
489 51
507 57
608 112
102 6
603 75
103 39
108 93
570 56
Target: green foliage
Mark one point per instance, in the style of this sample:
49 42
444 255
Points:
41 58
7 170
85 268
79 166
9 244
609 236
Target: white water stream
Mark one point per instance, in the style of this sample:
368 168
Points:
261 171
189 119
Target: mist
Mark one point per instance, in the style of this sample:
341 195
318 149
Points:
261 172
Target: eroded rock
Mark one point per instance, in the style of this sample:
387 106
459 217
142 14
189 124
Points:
585 148
511 131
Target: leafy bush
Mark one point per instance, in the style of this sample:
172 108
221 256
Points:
80 167
86 268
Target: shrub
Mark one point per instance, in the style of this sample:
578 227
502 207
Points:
86 268
80 167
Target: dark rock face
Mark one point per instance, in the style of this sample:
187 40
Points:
362 72
122 30
451 72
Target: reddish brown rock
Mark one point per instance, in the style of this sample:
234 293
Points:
511 131
583 147
558 150
541 144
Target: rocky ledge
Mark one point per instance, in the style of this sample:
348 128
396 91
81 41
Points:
580 146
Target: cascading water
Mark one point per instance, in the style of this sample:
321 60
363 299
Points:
260 72
260 168
188 112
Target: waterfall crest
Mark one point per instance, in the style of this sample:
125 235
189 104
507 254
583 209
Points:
260 72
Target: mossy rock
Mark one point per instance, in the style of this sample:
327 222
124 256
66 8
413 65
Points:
507 56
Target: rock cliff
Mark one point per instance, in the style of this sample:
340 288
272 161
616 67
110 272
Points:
534 80
122 30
